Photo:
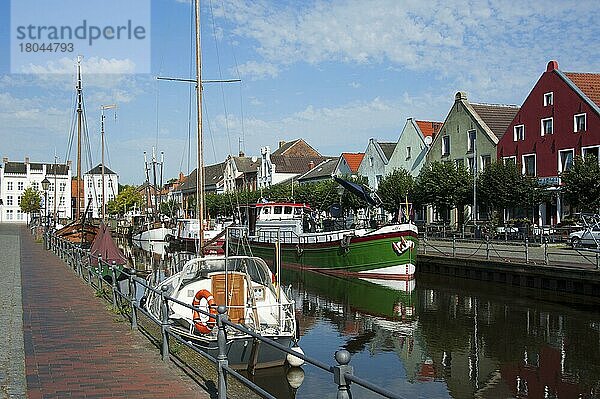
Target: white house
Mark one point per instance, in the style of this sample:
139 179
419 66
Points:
93 192
16 177
375 160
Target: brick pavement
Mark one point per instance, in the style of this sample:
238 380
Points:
75 348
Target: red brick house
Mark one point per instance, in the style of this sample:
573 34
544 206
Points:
559 120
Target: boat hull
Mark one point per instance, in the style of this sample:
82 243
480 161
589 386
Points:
368 256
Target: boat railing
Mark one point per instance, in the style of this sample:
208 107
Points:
124 297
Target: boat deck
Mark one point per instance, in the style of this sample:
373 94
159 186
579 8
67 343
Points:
60 340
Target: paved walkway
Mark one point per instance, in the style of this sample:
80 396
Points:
73 347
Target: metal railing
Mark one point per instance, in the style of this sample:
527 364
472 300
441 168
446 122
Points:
523 251
80 261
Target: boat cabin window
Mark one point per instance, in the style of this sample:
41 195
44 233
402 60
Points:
277 210
200 268
287 210
298 211
266 210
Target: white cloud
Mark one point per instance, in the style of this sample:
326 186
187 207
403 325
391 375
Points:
92 65
257 70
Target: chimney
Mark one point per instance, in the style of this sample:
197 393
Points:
281 143
552 65
311 165
461 95
241 153
5 159
26 160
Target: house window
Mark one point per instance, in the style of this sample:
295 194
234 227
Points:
472 166
547 126
519 132
90 184
9 214
51 188
407 152
19 200
579 123
445 145
471 135
9 186
590 151
99 183
277 210
565 160
63 186
371 161
9 200
529 165
510 160
110 183
548 99
459 163
62 201
19 214
20 186
486 160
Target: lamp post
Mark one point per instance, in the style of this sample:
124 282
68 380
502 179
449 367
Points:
45 186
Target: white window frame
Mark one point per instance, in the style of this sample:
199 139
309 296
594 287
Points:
534 163
542 130
9 186
560 166
471 144
583 150
514 158
471 164
481 161
548 96
444 138
20 185
9 200
575 122
516 137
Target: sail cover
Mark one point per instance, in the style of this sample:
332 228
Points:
104 246
356 189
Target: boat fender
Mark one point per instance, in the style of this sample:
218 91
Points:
201 323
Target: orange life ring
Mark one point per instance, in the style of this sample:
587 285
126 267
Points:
204 327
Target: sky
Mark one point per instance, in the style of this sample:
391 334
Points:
334 73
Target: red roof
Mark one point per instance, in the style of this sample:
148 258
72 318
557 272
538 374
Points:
353 160
429 128
589 83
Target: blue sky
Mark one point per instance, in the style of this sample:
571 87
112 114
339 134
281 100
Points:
332 72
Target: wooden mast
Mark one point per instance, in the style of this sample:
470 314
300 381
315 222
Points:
200 155
102 109
79 122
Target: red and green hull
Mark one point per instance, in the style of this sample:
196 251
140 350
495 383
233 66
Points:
371 256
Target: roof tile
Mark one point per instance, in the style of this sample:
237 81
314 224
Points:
589 83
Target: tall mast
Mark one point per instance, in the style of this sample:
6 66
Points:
102 108
200 157
79 121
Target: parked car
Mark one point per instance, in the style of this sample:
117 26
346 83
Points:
586 237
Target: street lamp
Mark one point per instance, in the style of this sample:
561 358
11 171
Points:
45 186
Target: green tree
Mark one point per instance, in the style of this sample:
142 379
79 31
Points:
169 208
31 201
352 201
581 185
395 189
127 199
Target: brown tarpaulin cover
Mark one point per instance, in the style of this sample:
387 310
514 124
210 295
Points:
104 246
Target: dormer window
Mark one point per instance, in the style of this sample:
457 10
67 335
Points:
579 123
519 132
548 99
547 126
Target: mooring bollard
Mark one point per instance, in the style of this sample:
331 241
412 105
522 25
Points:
454 246
114 283
164 323
222 361
133 298
343 357
546 260
526 249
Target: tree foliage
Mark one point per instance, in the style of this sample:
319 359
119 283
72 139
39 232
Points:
395 189
127 199
582 184
31 201
169 208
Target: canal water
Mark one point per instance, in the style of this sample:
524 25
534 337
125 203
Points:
434 337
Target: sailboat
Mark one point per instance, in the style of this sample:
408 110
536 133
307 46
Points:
242 283
80 231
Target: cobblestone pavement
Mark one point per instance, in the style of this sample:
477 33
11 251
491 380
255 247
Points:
12 357
75 347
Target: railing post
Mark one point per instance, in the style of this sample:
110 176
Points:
89 268
343 357
99 273
526 249
132 296
454 246
425 242
597 256
546 260
222 361
164 323
487 247
114 283
505 232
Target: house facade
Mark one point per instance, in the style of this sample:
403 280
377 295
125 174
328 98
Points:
241 173
374 163
412 146
16 177
348 163
559 120
468 137
96 196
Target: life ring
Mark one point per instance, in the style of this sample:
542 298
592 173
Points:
202 322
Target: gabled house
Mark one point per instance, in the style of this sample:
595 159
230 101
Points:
348 163
94 190
374 163
240 173
213 183
287 162
559 120
412 147
469 136
320 172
